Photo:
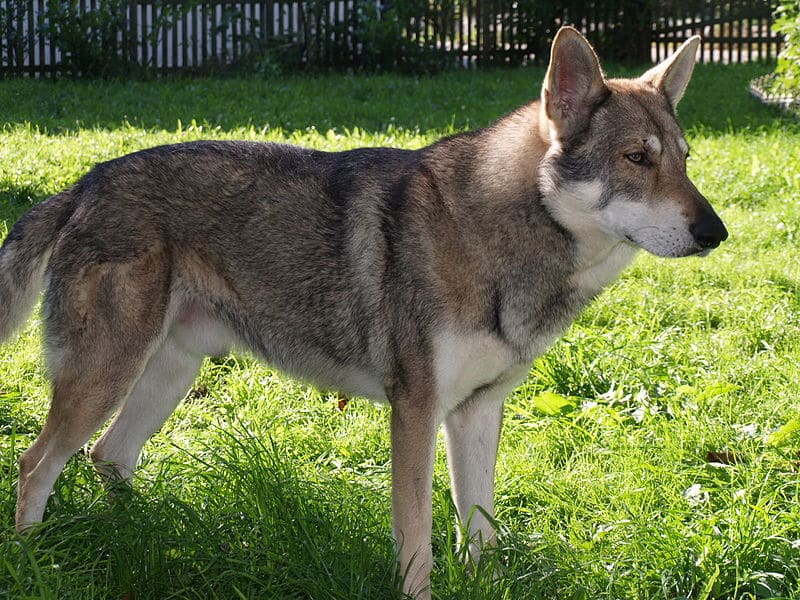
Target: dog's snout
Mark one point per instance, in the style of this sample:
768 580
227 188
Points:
709 231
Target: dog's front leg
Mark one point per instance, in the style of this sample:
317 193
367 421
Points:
472 436
413 443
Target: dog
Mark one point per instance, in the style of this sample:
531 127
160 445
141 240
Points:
427 278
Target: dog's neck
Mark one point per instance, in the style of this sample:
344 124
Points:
515 150
510 153
599 255
509 165
518 147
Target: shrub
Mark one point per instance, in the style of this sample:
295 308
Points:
90 43
787 22
14 41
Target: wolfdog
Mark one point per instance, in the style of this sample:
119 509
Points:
428 278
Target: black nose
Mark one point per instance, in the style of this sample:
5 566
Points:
709 231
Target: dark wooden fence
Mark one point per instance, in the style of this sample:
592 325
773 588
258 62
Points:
733 31
42 37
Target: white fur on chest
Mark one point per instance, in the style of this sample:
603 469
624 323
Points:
466 361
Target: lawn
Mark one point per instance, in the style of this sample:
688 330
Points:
654 451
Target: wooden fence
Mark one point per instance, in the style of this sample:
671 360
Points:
733 31
47 37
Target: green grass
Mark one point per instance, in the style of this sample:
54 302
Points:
654 451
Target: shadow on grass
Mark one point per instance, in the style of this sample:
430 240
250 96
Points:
717 101
284 538
373 103
16 200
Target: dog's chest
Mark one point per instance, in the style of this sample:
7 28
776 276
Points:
467 361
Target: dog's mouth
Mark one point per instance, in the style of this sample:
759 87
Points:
698 251
670 251
703 252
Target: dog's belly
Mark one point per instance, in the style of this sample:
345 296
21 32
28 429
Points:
197 332
463 361
342 378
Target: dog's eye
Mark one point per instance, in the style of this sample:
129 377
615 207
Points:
635 157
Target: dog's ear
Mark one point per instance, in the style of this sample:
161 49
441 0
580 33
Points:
673 75
574 84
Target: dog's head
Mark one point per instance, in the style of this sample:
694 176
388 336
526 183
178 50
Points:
617 158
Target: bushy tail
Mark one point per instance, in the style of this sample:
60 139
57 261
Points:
23 259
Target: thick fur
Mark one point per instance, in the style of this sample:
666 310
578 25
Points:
428 278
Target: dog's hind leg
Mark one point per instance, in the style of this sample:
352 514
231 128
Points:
168 375
101 323
85 392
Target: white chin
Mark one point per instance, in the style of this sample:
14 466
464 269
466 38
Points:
676 253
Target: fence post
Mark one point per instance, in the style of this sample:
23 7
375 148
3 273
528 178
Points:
635 25
19 40
133 32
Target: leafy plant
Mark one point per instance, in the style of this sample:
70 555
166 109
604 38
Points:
14 41
787 22
90 42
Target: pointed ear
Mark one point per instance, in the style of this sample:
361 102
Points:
574 83
673 75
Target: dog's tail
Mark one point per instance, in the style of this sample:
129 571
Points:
24 256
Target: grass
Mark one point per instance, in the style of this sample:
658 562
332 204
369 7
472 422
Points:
654 451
